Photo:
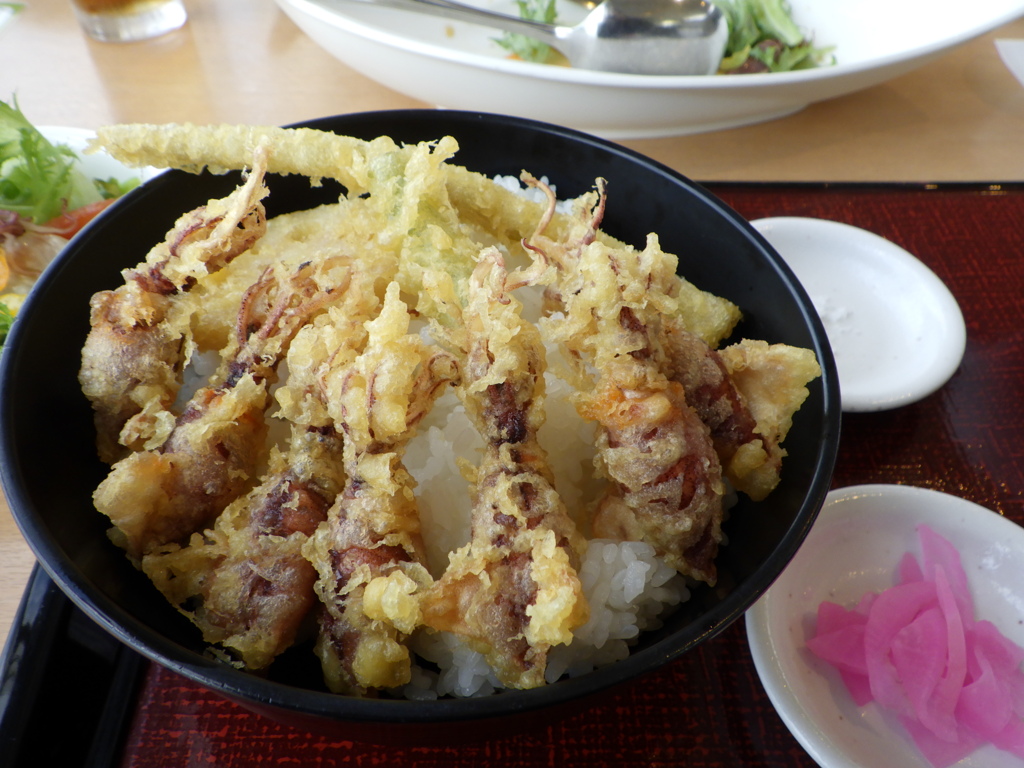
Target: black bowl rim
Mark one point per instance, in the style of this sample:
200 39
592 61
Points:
247 687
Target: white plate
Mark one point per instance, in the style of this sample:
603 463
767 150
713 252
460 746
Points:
460 66
8 12
895 329
854 547
94 166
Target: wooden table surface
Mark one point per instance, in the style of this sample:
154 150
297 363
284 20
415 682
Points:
957 119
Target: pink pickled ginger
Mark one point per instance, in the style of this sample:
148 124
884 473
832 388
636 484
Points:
916 650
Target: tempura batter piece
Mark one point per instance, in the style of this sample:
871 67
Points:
773 380
134 355
162 496
369 553
513 591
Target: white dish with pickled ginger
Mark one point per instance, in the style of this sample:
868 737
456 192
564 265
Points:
860 546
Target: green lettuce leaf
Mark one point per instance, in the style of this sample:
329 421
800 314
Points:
764 30
6 318
38 180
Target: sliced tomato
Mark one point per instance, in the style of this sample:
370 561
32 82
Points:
68 223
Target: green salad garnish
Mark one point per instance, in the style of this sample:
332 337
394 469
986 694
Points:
527 48
39 179
764 38
42 194
6 318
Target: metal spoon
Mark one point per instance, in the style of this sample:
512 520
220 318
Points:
643 37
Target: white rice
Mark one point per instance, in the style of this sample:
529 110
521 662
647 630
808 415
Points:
201 366
627 586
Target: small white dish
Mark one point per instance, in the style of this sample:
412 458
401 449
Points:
853 548
895 329
459 65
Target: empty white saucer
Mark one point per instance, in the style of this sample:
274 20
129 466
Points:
895 329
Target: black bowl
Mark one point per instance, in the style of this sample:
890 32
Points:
49 466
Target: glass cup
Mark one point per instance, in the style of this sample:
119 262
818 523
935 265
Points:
123 21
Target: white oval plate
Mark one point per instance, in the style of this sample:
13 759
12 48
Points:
458 65
895 329
854 547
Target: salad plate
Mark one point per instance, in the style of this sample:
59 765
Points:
8 12
458 65
62 193
98 165
896 330
854 547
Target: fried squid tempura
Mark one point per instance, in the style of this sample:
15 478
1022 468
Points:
134 354
245 583
161 496
666 486
675 417
369 553
512 592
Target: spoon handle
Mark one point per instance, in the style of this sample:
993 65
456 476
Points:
456 11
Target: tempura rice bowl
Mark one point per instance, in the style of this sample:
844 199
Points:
46 429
